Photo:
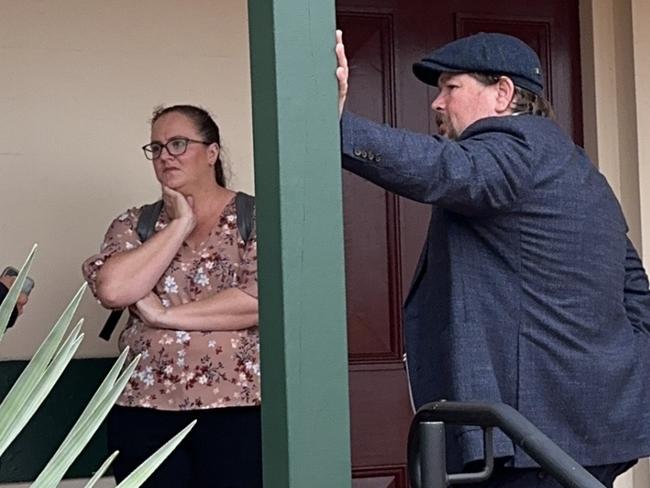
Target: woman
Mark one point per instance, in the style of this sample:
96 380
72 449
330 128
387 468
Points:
191 289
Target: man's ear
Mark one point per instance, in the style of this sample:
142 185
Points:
505 94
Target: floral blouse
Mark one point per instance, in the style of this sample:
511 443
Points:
186 370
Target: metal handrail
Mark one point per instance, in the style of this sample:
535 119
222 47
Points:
426 450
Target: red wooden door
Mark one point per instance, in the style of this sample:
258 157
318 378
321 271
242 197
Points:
384 233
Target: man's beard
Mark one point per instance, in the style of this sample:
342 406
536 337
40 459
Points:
445 129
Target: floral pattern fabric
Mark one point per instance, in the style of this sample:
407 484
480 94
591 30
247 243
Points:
185 370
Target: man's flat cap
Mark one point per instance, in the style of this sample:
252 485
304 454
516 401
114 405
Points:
488 53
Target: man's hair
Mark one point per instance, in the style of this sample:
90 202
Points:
524 101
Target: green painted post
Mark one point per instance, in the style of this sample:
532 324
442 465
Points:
305 410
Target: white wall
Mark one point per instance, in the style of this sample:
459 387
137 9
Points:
78 83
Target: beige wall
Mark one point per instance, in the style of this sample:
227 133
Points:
641 16
78 82
609 100
615 47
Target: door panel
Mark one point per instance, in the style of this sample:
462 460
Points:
371 212
380 407
384 233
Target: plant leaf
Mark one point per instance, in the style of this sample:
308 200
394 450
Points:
100 472
22 389
15 417
142 472
85 427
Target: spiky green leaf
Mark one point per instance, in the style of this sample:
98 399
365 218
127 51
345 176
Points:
142 472
100 472
14 419
20 393
86 426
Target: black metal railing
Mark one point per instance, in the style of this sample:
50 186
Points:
426 445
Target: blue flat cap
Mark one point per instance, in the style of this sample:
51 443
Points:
488 53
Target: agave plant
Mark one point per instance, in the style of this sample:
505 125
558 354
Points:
40 376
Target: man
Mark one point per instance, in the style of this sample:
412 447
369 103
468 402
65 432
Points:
528 291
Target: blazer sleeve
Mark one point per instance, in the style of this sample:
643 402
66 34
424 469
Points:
14 314
487 171
636 293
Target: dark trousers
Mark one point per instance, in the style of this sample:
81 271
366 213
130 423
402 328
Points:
503 477
223 450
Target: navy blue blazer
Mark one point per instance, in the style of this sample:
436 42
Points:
527 291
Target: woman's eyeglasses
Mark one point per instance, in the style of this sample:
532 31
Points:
175 147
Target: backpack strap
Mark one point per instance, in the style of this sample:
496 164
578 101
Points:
147 220
245 207
110 324
145 229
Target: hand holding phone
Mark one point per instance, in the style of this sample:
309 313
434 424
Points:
8 277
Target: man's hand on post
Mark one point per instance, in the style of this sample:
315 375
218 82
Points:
342 71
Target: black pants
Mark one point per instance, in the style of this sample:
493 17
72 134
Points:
223 450
503 477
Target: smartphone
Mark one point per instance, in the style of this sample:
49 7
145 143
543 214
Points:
28 285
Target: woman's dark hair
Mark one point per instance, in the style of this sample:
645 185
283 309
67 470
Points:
524 101
206 126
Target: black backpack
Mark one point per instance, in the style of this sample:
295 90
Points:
245 207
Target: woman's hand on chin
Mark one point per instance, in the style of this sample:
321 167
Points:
179 207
